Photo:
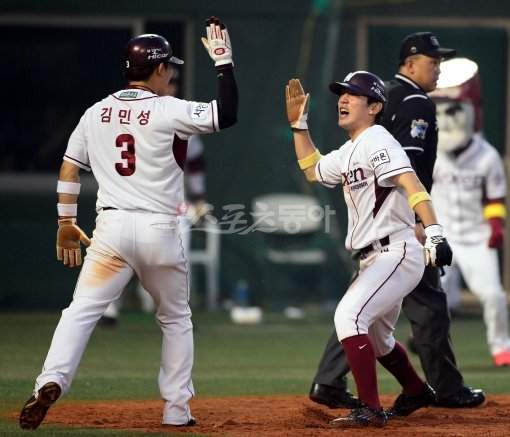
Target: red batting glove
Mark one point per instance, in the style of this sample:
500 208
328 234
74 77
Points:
497 232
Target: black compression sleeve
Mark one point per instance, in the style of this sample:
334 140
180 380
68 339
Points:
227 99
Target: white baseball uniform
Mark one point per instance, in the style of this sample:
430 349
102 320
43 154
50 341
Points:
461 184
135 143
377 210
195 184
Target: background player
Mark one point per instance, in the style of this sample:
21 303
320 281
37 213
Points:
135 143
469 195
195 189
377 180
410 116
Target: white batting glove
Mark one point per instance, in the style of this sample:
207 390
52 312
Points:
437 250
217 42
69 236
297 105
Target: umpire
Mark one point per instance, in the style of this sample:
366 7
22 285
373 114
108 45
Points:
411 117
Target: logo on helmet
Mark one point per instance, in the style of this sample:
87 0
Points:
376 88
155 53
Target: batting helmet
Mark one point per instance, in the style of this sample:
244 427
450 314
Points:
146 50
361 83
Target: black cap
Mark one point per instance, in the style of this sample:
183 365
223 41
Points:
148 49
423 43
361 83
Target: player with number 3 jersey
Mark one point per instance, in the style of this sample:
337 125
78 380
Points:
135 143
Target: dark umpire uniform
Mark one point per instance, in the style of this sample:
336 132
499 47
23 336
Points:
411 117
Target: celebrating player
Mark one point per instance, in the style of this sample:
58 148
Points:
411 118
135 143
194 188
381 191
469 191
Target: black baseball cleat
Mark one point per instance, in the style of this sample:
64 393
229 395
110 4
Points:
192 421
466 397
405 404
362 417
333 397
34 410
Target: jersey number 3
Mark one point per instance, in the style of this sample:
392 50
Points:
127 143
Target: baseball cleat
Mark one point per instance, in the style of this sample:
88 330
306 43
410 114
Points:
466 397
362 417
333 397
502 359
404 405
34 410
192 421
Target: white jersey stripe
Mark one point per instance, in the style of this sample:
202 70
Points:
414 96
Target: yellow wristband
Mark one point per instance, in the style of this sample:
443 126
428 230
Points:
418 197
310 160
494 210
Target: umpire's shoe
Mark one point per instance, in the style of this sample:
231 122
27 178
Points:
405 404
361 417
333 397
466 397
34 410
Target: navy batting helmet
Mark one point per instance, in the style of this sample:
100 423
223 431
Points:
148 49
361 83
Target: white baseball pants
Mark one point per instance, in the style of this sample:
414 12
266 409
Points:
126 243
372 303
479 267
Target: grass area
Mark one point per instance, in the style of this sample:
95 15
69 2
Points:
279 356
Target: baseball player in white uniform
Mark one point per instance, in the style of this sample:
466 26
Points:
194 181
469 195
381 190
194 188
134 141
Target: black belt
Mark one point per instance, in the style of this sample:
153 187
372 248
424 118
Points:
107 208
383 242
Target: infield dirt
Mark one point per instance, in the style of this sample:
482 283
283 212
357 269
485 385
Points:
278 416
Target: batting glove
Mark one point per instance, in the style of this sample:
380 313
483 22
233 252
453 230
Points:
69 236
297 105
218 44
437 250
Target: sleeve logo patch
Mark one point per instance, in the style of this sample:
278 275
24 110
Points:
378 158
200 110
419 129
